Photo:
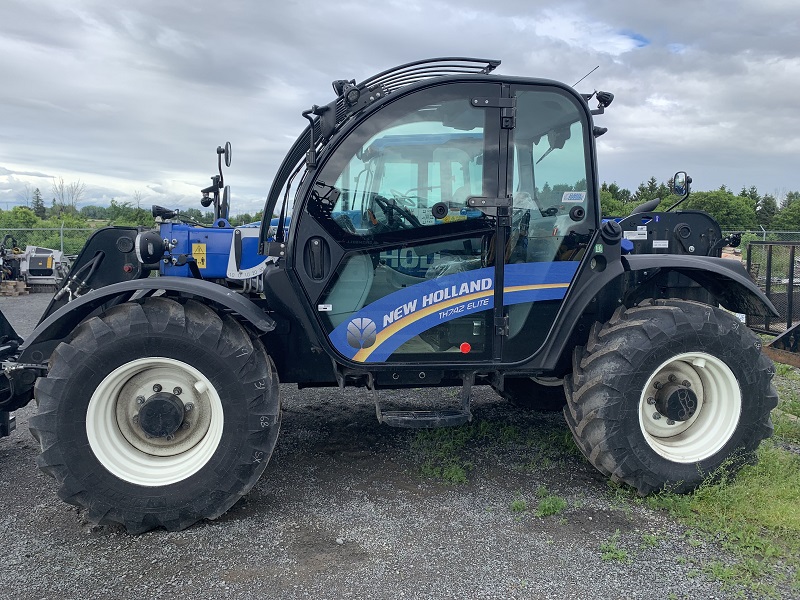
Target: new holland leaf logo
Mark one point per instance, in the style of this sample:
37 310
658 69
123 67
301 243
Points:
361 332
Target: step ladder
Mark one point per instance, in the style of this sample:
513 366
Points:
426 419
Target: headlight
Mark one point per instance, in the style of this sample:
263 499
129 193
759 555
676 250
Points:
149 247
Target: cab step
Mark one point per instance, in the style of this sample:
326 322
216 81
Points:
427 419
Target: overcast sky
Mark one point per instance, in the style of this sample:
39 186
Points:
136 95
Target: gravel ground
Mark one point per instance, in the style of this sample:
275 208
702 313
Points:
343 512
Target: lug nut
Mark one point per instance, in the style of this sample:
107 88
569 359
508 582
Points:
658 385
170 437
140 399
686 383
185 425
135 418
177 391
157 388
670 422
672 377
656 416
188 407
651 400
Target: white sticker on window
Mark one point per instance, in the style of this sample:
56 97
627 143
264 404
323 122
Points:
324 307
660 243
573 197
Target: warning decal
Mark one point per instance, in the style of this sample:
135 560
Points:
199 254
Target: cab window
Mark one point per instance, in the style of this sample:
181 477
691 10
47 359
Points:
389 174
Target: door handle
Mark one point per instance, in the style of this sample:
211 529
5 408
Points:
316 258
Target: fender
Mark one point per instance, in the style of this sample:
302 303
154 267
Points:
56 327
586 287
727 280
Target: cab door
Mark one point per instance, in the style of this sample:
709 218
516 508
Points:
392 259
550 178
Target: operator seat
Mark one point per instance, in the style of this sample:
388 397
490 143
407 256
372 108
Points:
351 289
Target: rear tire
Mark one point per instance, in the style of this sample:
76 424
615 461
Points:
544 394
157 414
666 394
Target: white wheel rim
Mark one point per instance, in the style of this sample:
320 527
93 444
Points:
718 402
549 381
125 450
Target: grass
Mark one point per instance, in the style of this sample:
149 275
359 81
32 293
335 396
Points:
649 540
549 504
786 418
440 453
444 453
755 516
519 505
610 550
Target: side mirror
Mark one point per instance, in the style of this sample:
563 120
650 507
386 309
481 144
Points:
681 183
226 152
681 186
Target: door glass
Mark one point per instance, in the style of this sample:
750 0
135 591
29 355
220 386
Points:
415 283
386 177
552 213
413 303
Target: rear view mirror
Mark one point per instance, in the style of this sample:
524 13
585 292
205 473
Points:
680 183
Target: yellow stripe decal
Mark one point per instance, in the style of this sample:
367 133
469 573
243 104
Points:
363 354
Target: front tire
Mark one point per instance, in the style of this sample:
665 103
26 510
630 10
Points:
157 414
667 393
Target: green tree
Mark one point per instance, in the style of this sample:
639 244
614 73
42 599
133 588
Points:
788 218
646 191
751 194
123 213
37 204
766 210
731 212
19 217
195 214
790 198
610 206
94 212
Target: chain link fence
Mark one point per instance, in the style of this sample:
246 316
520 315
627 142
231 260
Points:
71 240
66 239
766 236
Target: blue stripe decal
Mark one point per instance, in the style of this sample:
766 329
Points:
375 331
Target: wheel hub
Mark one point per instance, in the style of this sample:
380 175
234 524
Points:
676 402
161 415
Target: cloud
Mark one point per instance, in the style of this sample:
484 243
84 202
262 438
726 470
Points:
136 96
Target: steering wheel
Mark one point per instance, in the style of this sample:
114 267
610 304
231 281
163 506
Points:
399 196
388 209
346 223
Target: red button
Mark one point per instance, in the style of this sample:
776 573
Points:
465 348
